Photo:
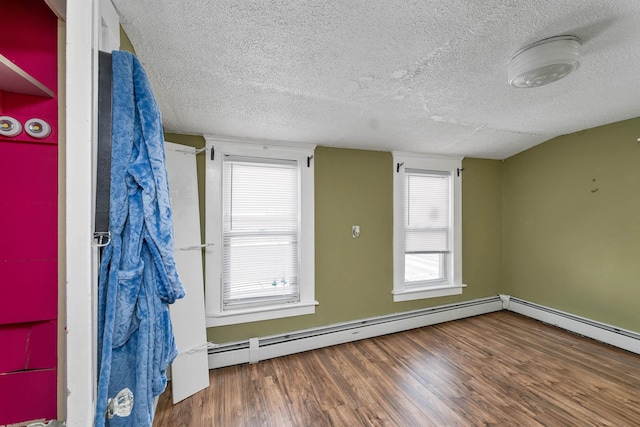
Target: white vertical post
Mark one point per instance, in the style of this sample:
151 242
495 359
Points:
81 257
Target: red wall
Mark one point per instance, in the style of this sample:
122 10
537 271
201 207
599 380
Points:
28 221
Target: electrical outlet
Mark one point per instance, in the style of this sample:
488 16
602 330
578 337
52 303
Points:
355 230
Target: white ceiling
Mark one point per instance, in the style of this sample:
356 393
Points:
416 75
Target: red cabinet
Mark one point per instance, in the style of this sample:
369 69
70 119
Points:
28 214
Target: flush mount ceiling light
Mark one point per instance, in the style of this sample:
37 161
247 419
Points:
544 62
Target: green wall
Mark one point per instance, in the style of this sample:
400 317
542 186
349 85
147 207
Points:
571 214
481 227
354 277
532 228
125 42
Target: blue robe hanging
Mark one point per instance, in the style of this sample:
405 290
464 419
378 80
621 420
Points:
138 277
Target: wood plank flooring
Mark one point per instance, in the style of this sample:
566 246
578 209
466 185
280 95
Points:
498 369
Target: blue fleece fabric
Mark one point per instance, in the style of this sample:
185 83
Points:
138 277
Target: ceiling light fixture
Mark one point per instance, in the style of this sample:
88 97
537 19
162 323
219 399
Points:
544 62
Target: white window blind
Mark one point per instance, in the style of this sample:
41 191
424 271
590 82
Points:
427 225
260 231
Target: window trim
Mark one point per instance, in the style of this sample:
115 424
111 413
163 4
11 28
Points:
453 284
302 154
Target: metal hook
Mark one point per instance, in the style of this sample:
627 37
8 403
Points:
101 238
190 248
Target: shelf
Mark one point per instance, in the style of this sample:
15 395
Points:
15 79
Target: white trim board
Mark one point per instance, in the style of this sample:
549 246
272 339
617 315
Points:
612 335
257 349
81 258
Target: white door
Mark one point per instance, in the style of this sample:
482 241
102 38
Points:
190 370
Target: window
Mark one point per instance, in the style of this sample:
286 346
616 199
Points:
260 221
260 231
427 227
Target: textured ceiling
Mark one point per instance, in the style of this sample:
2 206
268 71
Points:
426 76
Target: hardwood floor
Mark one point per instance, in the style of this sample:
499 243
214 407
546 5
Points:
498 369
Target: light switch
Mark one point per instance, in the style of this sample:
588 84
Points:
355 230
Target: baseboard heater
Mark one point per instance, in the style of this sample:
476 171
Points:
256 349
618 337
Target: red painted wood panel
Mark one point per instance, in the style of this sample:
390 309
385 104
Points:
29 38
28 232
27 396
28 346
35 293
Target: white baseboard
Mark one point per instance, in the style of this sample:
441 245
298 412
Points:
612 335
262 348
257 349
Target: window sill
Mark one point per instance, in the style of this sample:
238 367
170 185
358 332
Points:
427 292
256 314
